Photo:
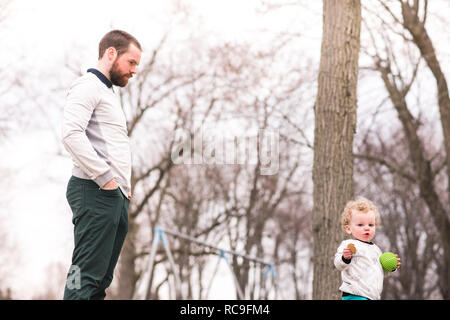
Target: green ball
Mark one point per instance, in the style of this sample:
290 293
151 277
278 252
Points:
388 261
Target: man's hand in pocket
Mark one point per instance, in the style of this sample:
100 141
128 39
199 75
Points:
110 185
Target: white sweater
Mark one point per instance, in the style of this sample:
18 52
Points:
363 276
94 132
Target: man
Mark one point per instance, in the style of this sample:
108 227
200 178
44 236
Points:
95 135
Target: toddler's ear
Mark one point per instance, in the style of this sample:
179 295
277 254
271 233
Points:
347 229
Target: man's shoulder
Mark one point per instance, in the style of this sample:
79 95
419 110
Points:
85 85
85 79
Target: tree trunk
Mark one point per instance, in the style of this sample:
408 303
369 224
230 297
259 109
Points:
421 39
127 275
423 42
422 168
335 125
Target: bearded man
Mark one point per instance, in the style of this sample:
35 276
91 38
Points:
94 132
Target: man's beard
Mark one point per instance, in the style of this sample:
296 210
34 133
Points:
117 78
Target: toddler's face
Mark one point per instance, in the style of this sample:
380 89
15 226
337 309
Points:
362 225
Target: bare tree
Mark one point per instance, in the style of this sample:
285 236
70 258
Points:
398 81
397 58
214 201
416 27
335 122
160 85
406 224
414 14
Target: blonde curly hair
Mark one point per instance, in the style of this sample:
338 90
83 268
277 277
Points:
362 205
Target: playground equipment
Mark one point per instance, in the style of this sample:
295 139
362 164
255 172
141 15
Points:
143 286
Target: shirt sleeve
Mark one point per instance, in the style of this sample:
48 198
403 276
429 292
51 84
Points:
339 262
80 104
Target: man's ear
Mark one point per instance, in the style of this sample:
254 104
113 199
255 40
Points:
111 53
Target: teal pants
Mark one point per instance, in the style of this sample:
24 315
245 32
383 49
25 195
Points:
100 219
353 297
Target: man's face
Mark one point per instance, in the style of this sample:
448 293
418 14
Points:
124 66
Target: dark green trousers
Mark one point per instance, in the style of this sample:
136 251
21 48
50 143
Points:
100 219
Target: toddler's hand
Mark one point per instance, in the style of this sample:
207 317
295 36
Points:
398 262
347 253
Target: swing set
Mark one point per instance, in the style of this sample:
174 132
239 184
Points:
143 286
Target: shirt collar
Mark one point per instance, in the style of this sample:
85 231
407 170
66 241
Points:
365 241
101 76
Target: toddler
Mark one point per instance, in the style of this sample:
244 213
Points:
361 271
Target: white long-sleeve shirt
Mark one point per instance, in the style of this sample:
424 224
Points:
363 276
94 132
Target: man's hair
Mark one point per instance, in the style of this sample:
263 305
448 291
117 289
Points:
362 205
118 39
